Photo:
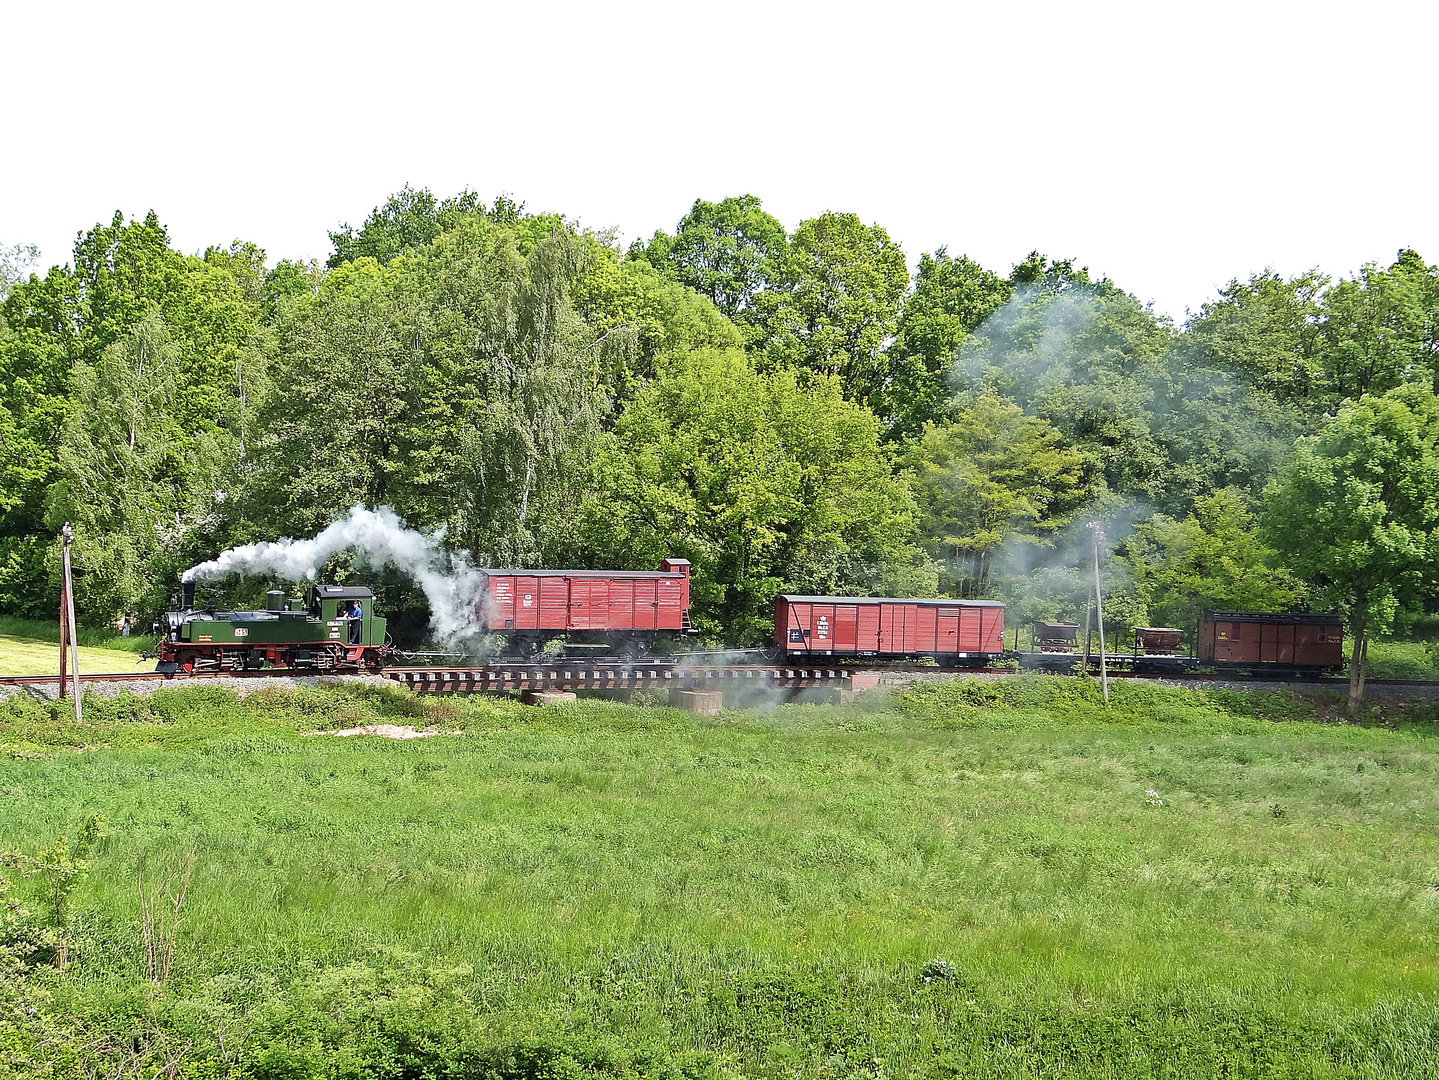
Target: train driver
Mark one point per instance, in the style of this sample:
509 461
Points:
355 614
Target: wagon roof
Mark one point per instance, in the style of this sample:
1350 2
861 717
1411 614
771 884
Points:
1303 617
626 574
930 602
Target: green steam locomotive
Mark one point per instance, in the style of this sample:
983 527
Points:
329 628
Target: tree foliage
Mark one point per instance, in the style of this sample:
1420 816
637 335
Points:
836 303
15 263
136 485
1356 513
729 251
410 220
989 477
763 482
950 299
1085 356
1211 560
789 410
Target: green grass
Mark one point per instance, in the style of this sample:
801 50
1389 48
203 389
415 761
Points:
26 656
31 647
1401 660
970 879
87 636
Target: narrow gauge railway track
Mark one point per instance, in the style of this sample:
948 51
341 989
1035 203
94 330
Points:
143 676
528 676
655 674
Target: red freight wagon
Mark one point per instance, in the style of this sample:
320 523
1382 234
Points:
968 632
1252 639
624 609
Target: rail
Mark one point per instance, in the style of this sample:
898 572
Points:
667 675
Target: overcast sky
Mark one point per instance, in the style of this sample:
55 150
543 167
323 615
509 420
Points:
1170 146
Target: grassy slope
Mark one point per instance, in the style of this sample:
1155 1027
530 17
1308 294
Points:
758 894
93 637
26 656
30 647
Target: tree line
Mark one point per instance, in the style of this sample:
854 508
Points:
789 410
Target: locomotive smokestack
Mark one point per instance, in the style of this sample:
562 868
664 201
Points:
187 602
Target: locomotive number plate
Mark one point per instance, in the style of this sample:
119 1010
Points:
241 631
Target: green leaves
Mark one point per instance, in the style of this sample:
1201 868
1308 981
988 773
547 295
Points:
989 476
837 302
728 251
1356 514
763 481
951 297
1213 559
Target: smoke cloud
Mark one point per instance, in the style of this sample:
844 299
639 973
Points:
379 538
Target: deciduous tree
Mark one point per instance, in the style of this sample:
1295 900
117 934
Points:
1377 329
1356 514
992 475
836 303
1084 355
410 220
951 297
1213 559
729 251
764 482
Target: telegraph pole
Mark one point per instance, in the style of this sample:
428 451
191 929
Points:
64 613
1098 534
67 621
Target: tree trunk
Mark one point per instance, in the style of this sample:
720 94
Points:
1356 664
525 494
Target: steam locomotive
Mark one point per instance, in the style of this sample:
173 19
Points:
328 628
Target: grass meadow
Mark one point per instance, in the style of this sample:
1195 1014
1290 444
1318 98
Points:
969 879
32 647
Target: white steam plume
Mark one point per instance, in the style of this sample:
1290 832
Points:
379 538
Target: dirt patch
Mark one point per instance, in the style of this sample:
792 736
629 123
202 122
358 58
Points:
386 731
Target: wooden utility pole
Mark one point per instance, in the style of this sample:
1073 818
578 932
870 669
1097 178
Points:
1098 534
67 621
64 621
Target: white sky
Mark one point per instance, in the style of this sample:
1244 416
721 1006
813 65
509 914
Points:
1171 146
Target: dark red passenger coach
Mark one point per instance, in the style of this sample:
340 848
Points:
954 632
1290 640
616 607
